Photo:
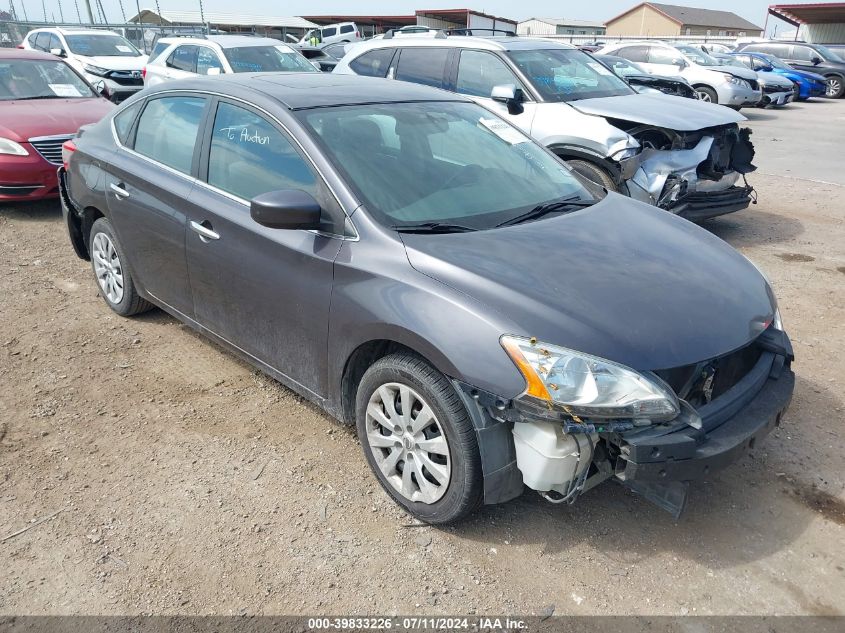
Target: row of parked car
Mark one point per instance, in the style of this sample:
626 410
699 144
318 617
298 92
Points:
402 243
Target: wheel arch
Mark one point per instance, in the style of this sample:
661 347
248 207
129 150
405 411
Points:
570 152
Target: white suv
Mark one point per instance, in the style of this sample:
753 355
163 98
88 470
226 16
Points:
345 32
98 54
180 57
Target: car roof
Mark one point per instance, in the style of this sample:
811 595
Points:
226 41
73 31
300 91
23 53
499 43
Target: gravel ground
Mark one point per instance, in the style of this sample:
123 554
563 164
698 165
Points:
187 483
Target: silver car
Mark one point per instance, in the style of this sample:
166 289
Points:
730 86
682 155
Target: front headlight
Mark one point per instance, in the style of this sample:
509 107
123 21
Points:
589 386
731 79
95 70
8 146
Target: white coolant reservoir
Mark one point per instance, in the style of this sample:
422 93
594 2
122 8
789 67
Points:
549 458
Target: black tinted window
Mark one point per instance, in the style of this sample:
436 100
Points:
346 28
633 53
184 58
250 157
422 65
479 72
373 64
124 119
329 32
167 130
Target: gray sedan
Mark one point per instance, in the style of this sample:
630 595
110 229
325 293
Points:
420 268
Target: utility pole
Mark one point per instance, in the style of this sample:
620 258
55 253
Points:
90 13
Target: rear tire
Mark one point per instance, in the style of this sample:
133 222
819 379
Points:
593 173
114 281
425 458
707 94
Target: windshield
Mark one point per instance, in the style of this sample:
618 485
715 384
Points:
37 79
733 61
562 74
101 46
255 59
829 55
698 56
451 162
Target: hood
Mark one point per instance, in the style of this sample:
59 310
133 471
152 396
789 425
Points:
49 117
621 280
681 116
804 74
115 62
773 79
736 71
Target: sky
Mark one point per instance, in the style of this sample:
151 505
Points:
598 10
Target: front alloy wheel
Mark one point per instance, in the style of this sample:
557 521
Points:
418 439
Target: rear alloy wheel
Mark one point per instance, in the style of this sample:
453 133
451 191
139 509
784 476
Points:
593 173
418 439
114 280
706 94
835 87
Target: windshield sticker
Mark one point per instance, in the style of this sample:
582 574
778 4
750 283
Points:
65 90
123 48
599 68
504 131
241 135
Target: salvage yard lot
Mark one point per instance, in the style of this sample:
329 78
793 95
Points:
187 482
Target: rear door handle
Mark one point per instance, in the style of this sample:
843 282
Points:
204 232
118 190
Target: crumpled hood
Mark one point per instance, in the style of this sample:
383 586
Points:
651 109
49 117
736 71
115 62
621 280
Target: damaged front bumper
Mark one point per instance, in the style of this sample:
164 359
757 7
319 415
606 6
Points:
697 182
656 461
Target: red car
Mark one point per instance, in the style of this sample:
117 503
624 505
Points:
43 102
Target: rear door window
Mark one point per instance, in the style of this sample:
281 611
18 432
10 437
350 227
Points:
184 58
124 119
665 56
167 130
633 53
425 66
479 72
347 28
373 64
803 54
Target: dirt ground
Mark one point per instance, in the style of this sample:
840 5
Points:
187 483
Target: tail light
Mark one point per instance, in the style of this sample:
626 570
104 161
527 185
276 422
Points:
144 72
357 35
68 148
19 46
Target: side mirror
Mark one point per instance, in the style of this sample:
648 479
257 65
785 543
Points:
816 60
681 63
767 69
101 88
286 209
58 52
510 95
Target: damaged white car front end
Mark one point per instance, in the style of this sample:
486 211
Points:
684 156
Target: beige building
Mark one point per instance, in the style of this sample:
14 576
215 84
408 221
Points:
656 20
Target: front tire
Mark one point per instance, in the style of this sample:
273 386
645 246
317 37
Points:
835 87
593 173
418 439
114 280
707 94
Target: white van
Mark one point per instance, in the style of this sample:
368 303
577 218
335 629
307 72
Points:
345 32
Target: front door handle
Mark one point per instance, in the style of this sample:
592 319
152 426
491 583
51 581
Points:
203 231
118 190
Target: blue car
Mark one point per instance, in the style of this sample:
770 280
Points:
809 84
